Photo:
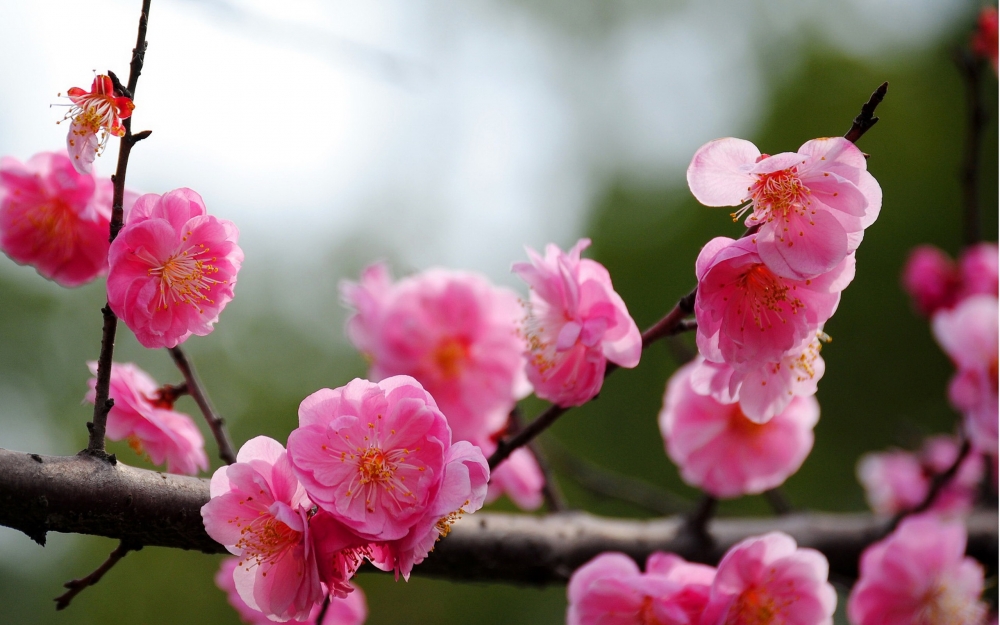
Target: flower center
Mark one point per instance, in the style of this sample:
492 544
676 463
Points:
380 473
263 539
646 614
184 276
777 194
755 606
744 427
944 605
763 293
449 357
53 226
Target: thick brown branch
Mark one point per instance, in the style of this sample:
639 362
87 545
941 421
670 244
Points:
197 391
80 494
76 586
102 405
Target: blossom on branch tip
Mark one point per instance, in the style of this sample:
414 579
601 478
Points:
453 331
56 219
94 115
812 206
919 575
748 315
260 512
719 450
575 323
372 455
143 417
172 268
769 579
984 40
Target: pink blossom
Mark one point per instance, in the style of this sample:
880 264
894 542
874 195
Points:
575 324
144 417
173 268
931 278
919 575
978 269
462 491
897 480
721 451
453 332
984 40
812 206
372 455
95 115
748 315
764 390
350 610
55 219
260 512
768 579
611 590
969 335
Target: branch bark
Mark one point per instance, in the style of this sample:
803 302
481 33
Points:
85 495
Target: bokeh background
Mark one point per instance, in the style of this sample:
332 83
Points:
440 132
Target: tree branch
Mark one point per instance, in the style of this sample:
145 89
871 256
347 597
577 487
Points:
76 586
970 68
200 395
102 404
938 482
81 494
866 118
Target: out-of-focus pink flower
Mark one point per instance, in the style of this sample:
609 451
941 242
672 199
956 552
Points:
764 390
812 206
575 324
95 115
897 480
919 575
969 335
372 455
725 454
931 279
979 271
984 40
260 512
453 332
56 219
768 579
173 268
611 590
142 416
350 610
462 491
519 477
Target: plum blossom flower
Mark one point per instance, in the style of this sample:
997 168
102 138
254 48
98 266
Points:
919 575
575 324
611 589
173 268
768 579
372 455
984 40
349 610
453 331
812 206
95 115
462 491
56 219
764 390
898 480
260 512
969 335
721 451
978 269
935 282
748 315
143 415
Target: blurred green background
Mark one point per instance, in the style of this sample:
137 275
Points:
885 381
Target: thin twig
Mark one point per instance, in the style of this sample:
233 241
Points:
611 484
970 69
322 611
102 404
778 501
555 501
200 396
76 586
866 118
938 483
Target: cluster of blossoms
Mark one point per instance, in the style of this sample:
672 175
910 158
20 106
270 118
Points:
371 473
476 349
765 579
739 419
